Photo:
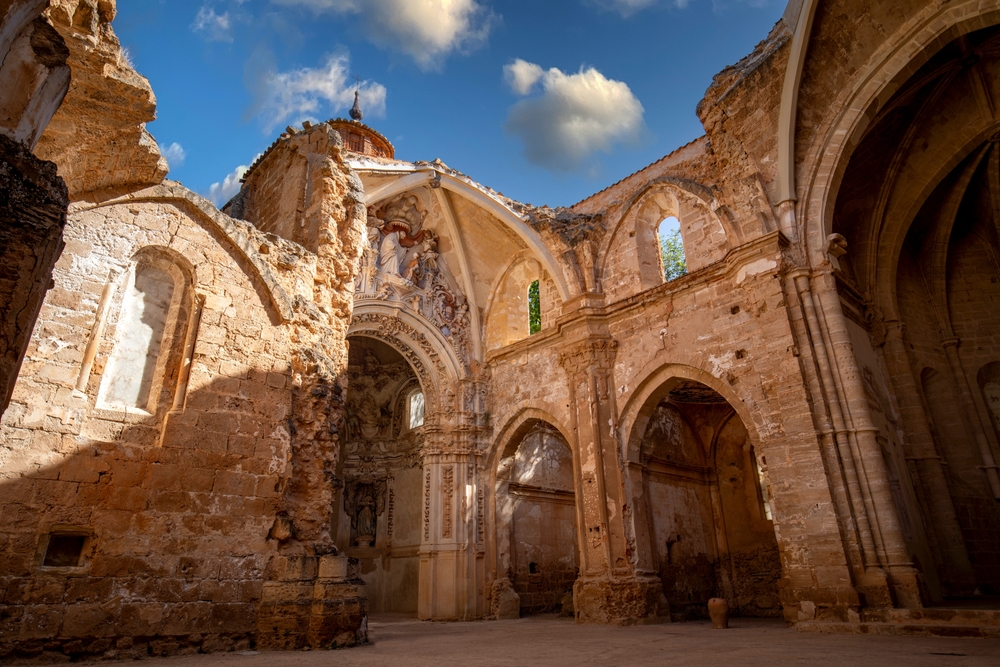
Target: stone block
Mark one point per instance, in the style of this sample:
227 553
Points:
139 619
185 618
333 567
90 620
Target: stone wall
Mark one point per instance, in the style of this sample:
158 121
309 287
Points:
194 509
176 502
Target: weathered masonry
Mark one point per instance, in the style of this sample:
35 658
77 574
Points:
368 384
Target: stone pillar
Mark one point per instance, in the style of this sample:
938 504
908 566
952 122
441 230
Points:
608 589
450 577
878 503
33 203
950 346
311 602
955 570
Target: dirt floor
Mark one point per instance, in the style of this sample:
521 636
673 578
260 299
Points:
552 641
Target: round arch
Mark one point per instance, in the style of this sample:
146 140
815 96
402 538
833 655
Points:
656 386
676 192
519 421
431 359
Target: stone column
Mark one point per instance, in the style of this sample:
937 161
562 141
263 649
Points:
449 558
608 589
873 474
955 569
950 346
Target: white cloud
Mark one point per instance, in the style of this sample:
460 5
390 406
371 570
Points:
426 30
522 76
576 116
215 27
628 7
300 94
221 193
174 154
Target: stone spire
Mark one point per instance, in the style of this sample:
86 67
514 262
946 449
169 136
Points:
355 111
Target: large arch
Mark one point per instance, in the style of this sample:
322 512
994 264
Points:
516 424
821 169
635 413
701 512
434 361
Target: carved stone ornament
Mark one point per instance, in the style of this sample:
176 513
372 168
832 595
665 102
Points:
401 263
364 502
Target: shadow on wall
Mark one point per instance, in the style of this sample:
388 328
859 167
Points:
123 551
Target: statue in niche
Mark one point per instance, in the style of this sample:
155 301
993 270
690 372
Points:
403 263
364 502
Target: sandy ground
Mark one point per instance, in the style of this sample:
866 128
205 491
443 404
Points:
553 641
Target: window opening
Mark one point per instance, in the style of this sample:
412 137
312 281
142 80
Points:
668 234
534 309
416 409
765 499
141 330
64 550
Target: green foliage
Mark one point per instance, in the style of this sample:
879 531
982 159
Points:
534 309
672 252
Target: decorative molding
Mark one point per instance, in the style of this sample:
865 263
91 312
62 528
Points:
427 505
448 489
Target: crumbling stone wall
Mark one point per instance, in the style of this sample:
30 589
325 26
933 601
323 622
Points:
189 509
33 210
32 216
98 136
175 505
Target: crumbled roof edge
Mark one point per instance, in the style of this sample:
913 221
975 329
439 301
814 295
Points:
703 137
291 131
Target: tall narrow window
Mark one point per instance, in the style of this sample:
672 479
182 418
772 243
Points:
534 309
141 328
762 495
671 248
415 409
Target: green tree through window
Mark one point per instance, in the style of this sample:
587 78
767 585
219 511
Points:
534 309
671 248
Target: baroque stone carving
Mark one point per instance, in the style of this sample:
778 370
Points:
402 336
427 505
401 263
448 489
364 502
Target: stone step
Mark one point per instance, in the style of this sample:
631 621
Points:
926 629
935 616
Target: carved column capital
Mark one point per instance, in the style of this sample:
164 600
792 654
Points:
596 353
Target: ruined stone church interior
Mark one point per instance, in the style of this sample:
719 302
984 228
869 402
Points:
370 386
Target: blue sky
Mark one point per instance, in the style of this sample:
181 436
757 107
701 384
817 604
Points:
545 101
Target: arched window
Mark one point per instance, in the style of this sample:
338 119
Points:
534 309
150 327
415 409
668 237
763 497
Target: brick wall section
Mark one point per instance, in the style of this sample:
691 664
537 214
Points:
178 530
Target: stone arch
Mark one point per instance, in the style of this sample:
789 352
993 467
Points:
482 197
520 423
656 385
505 320
899 56
694 484
436 367
154 305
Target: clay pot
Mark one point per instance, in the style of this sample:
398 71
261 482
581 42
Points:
718 611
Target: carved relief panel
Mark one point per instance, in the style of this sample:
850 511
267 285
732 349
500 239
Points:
402 263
